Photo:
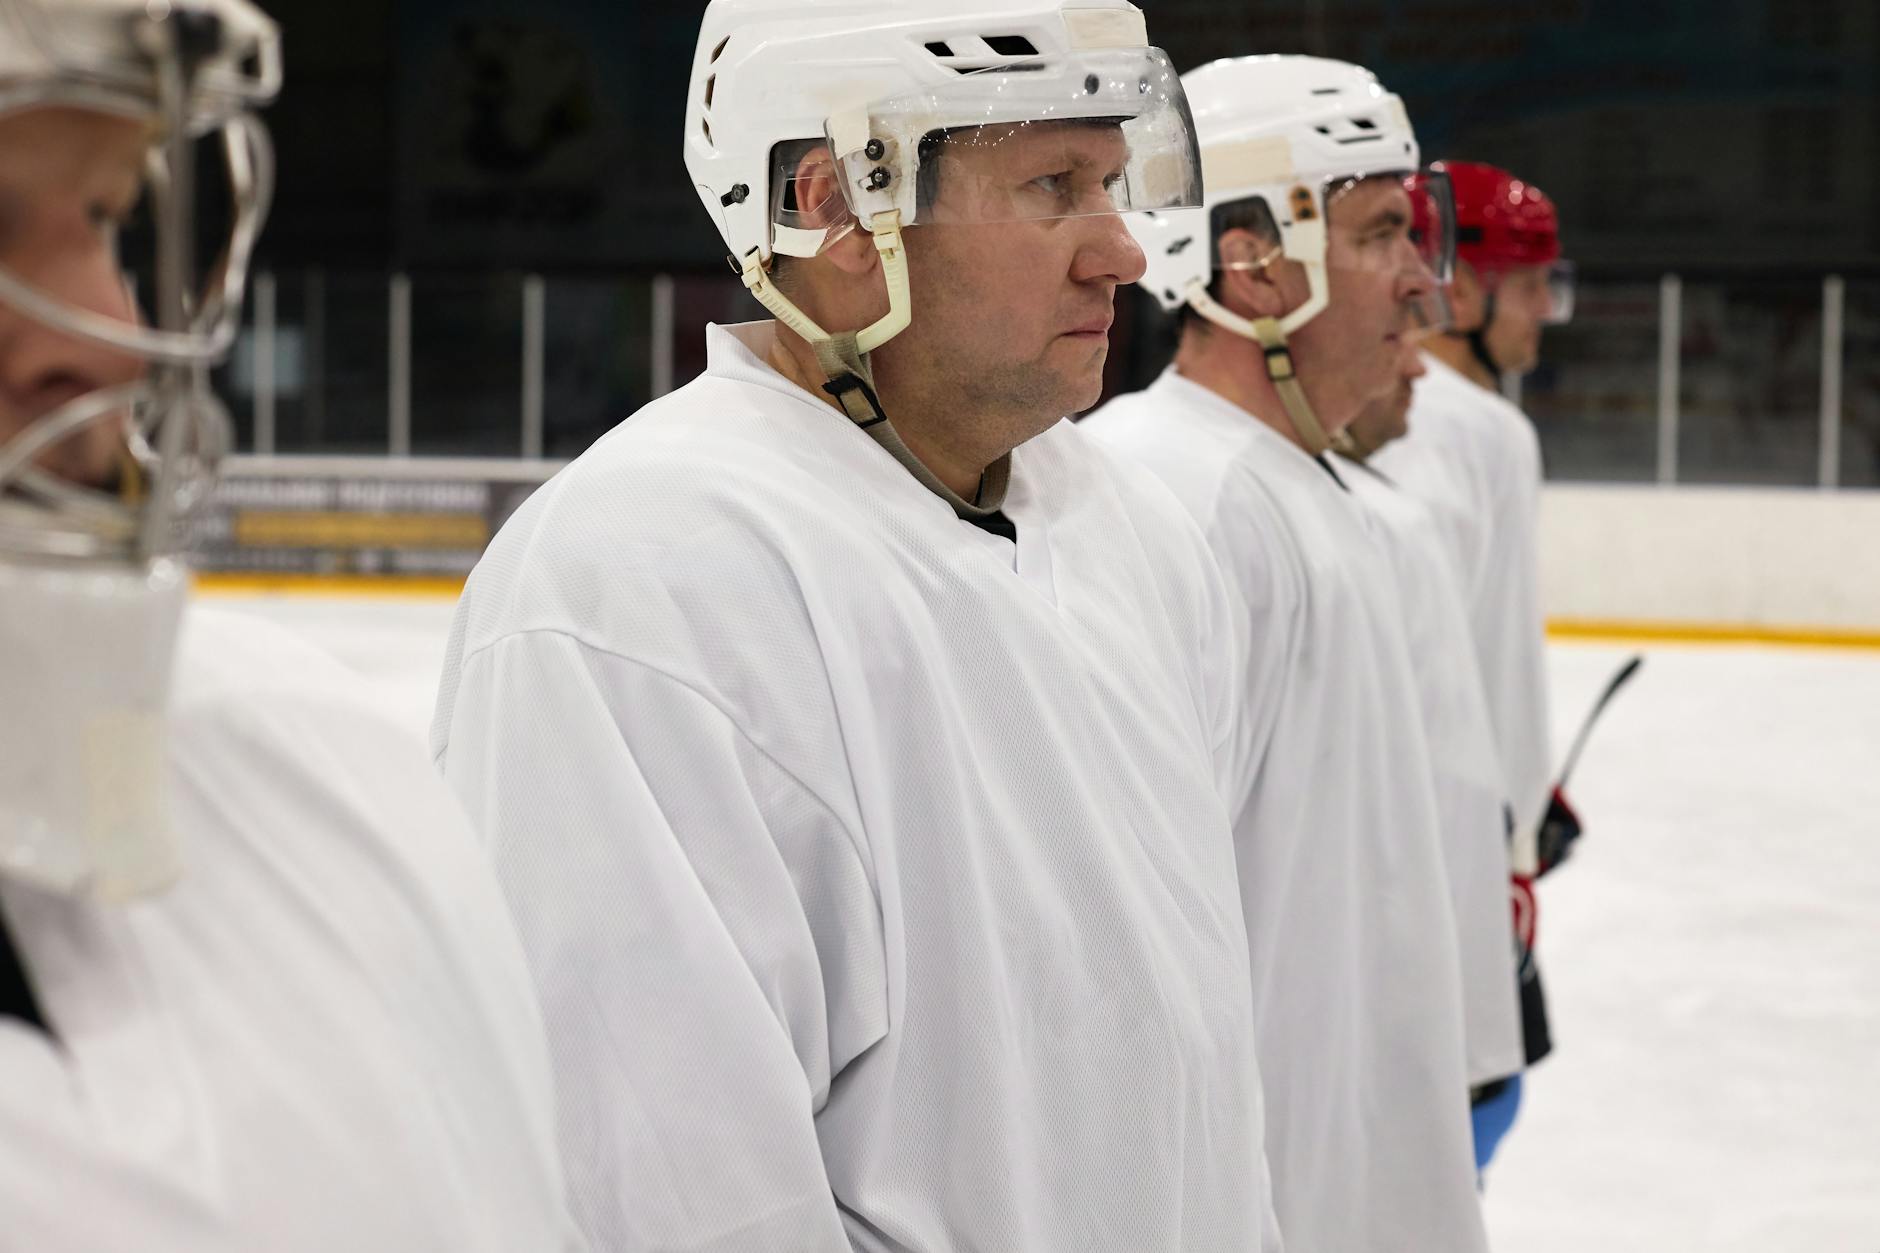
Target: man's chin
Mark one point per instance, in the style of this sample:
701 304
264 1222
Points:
1085 394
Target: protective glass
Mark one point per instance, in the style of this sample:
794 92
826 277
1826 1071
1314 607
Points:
1560 293
1433 221
1100 132
1430 314
1376 222
1542 292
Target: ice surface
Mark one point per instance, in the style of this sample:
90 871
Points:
1712 955
1712 952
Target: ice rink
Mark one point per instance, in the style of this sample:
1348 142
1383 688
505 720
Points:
1712 952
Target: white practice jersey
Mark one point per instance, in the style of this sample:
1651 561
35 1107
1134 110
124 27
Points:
872 867
1357 996
1476 461
321 1038
1469 781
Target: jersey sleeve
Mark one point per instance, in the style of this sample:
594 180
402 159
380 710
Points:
703 932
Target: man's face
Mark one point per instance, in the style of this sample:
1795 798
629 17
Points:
1352 351
68 177
1013 296
1523 303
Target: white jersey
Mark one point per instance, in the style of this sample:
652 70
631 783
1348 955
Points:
1469 798
1357 1000
322 1037
1476 461
872 866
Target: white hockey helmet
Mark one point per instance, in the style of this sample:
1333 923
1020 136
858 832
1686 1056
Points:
1288 132
882 85
91 585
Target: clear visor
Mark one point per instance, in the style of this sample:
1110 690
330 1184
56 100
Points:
1430 314
1101 132
1560 291
1433 222
1543 293
1393 221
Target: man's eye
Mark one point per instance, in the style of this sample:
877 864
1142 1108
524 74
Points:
1050 184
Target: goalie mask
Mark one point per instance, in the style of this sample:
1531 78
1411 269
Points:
116 118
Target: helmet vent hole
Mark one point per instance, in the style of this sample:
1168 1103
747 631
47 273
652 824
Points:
711 84
968 51
1352 130
1327 91
1011 45
719 50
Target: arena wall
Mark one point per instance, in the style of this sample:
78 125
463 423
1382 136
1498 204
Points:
1695 560
1615 559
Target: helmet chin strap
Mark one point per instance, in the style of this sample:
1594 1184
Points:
1270 334
843 357
1350 447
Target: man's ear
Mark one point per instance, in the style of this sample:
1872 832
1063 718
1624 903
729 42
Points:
1250 274
818 205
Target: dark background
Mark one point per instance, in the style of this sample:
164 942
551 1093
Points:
465 143
545 135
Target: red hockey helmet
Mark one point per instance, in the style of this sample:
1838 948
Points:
1503 223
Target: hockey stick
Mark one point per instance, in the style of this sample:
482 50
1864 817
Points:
1560 826
1618 681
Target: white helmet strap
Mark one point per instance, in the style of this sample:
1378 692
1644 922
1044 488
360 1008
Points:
1270 334
851 380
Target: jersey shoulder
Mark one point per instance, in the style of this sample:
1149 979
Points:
283 757
331 877
711 505
1189 453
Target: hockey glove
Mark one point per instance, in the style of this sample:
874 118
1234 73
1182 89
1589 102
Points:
1559 829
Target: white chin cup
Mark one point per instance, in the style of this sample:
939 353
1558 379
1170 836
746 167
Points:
85 661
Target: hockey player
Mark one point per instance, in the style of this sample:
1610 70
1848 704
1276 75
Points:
1471 801
257 988
846 725
1298 285
1474 459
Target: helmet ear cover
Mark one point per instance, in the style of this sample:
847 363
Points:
1258 246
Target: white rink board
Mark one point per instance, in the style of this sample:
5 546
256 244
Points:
1712 556
1712 953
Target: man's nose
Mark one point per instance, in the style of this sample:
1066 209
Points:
42 365
1108 251
1415 279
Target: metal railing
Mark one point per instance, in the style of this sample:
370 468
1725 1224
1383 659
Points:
660 369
